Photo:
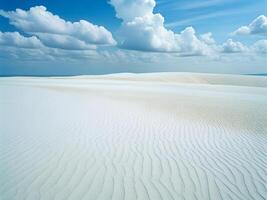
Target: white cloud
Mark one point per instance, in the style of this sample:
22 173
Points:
18 40
207 38
128 10
13 45
47 54
143 30
190 44
147 33
64 42
257 26
231 46
260 46
38 20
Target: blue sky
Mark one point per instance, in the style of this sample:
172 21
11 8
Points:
46 37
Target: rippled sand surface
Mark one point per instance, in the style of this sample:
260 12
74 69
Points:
126 136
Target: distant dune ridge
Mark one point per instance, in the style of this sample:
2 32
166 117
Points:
134 136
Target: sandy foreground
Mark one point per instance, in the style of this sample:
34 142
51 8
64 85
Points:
148 136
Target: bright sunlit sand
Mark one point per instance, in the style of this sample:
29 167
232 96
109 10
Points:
127 136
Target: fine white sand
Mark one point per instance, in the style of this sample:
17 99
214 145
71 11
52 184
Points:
126 136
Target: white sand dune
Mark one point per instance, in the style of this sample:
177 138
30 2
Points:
149 136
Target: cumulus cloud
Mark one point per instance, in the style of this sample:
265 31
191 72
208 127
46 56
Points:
207 38
47 54
38 20
257 26
128 10
141 30
144 30
64 42
231 46
13 45
17 40
190 44
260 46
